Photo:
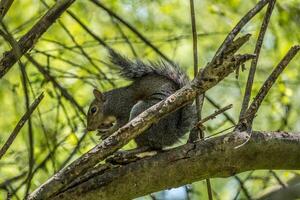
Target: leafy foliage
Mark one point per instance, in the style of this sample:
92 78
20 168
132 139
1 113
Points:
79 63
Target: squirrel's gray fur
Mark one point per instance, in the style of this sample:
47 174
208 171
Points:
152 83
133 70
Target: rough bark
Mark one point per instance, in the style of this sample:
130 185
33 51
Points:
216 157
4 7
211 75
28 40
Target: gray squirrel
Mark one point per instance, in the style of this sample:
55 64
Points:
152 83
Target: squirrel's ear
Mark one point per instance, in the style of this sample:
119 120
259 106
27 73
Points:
98 95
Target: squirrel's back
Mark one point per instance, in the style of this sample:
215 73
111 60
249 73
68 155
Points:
137 69
152 83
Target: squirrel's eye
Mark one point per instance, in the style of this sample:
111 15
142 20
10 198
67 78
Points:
93 110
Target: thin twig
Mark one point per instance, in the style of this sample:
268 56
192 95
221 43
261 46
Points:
28 40
125 37
216 105
195 135
133 29
209 189
98 39
230 37
222 131
258 46
74 151
20 124
194 33
283 185
45 131
199 99
11 180
243 187
253 108
50 78
213 115
30 130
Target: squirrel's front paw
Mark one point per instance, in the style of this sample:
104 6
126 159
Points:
103 134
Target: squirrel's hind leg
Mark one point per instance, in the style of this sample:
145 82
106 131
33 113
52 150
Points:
160 134
143 140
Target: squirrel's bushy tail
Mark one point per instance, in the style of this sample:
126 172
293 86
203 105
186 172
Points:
137 69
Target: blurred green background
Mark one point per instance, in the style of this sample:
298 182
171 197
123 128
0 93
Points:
75 59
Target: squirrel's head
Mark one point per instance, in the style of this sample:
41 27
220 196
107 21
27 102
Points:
95 116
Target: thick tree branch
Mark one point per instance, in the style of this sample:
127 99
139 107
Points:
211 75
216 157
28 40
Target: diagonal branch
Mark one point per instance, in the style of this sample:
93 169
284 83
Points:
242 185
20 124
82 51
291 190
246 122
213 115
238 27
50 78
211 75
89 31
28 40
5 183
252 69
214 104
4 7
133 29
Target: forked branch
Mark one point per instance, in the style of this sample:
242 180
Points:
246 122
258 46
